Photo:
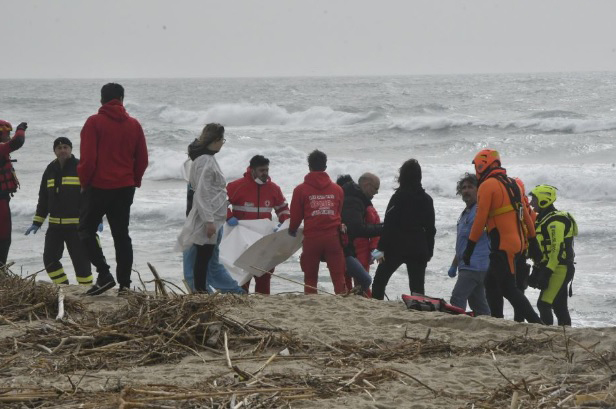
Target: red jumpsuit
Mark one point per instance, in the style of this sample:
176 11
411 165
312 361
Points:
251 201
318 202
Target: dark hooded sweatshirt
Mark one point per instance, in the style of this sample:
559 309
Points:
318 202
354 216
113 149
409 226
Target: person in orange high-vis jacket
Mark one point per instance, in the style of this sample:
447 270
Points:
254 197
318 202
522 268
501 211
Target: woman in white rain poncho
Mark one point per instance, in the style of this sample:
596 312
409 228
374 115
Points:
209 210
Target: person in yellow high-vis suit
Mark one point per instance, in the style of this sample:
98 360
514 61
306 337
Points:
555 233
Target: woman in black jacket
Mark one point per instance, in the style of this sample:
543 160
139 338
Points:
408 234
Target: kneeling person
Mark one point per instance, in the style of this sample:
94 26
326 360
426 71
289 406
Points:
59 197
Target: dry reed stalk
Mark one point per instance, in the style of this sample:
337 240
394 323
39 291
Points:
158 283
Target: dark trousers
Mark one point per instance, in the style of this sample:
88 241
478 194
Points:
5 244
204 254
5 230
522 271
54 249
115 204
416 270
500 282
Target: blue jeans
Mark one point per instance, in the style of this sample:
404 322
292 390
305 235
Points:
217 275
470 287
358 272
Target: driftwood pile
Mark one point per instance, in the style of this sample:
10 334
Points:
164 328
25 299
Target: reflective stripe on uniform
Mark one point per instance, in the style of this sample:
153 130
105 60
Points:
51 183
252 209
284 212
281 206
85 280
70 180
501 210
53 274
58 276
39 219
69 220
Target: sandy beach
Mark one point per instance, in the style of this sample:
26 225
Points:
288 350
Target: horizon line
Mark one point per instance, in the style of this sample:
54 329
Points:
313 76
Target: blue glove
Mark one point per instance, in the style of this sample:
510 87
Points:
377 254
277 227
100 227
292 233
233 221
32 229
453 270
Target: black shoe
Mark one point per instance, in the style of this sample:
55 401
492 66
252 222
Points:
124 290
97 288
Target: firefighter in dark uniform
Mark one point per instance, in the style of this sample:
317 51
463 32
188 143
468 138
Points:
8 181
59 197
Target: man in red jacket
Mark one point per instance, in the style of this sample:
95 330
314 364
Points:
114 157
254 197
318 201
8 181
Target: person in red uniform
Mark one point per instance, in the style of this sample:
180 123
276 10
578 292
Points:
8 181
254 197
114 157
318 202
500 210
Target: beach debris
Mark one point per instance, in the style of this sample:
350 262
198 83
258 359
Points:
151 328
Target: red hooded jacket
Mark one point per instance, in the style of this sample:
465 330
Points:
317 201
113 149
251 200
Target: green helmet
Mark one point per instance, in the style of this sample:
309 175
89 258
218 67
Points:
545 194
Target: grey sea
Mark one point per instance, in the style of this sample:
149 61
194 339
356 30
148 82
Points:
549 128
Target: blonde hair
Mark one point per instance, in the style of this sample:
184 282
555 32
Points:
212 132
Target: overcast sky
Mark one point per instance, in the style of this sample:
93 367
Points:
249 38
